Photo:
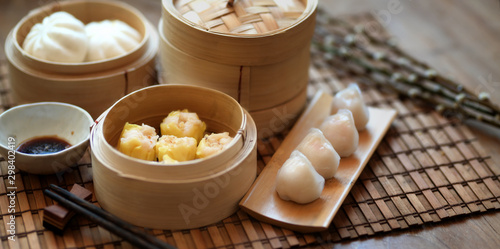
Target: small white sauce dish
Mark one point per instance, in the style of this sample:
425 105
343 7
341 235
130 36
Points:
24 122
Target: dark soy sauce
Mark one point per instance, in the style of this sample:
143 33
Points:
43 145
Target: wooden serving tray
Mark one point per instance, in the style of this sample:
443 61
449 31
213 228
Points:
262 201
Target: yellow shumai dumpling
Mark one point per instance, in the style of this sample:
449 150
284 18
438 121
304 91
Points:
213 144
138 141
172 149
183 124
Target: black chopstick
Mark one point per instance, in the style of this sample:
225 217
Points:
106 215
105 219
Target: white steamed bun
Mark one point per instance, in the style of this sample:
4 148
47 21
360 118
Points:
110 38
59 38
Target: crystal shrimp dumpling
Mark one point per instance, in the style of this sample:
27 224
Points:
341 132
320 153
351 98
298 181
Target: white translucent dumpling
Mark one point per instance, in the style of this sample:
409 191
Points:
60 37
351 98
110 38
298 181
320 153
341 132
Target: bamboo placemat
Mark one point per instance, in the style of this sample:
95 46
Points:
427 168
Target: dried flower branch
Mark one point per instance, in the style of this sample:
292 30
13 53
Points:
382 63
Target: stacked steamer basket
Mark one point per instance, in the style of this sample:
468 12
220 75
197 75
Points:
93 86
174 196
255 51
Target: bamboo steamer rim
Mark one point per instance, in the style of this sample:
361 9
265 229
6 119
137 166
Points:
150 171
238 49
248 146
81 67
15 57
127 166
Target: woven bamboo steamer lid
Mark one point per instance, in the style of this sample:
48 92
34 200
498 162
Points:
185 195
257 49
93 86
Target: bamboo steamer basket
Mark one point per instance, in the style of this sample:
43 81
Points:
93 86
261 69
279 118
176 196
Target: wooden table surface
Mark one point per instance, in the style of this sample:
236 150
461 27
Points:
460 38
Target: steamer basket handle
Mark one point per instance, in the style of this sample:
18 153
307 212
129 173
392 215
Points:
99 119
242 130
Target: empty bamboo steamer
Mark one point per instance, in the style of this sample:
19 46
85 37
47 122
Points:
176 196
93 86
255 51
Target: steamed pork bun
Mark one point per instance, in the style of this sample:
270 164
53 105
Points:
110 38
59 38
351 98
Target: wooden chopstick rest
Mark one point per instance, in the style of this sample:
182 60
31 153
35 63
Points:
55 217
132 234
